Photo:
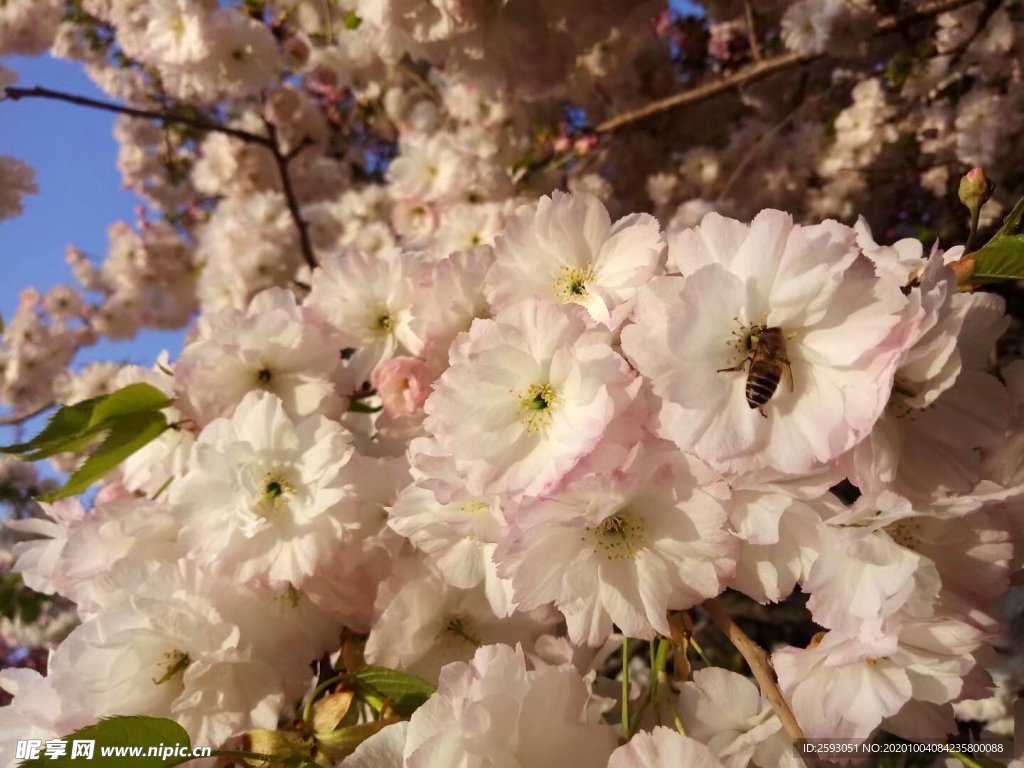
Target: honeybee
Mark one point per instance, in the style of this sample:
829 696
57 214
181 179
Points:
768 362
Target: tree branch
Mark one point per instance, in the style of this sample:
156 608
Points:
283 161
760 665
764 68
755 47
37 92
270 142
14 419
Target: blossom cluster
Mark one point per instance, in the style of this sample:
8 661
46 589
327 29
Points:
480 388
425 123
555 443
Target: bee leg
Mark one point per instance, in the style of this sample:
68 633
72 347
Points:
789 375
763 414
739 367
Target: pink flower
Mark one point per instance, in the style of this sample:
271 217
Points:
403 383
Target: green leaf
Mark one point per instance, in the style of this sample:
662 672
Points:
68 422
353 20
144 732
127 435
1011 224
405 693
1001 259
135 398
339 744
73 427
358 407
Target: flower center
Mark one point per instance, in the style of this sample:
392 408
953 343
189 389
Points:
460 629
174 663
906 533
742 341
273 496
618 537
536 405
571 283
382 322
263 376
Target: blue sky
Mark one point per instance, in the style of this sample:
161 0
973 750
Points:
80 195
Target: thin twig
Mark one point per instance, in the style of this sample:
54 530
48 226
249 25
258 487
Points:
759 664
283 160
991 6
755 48
15 419
763 68
756 147
701 92
37 92
270 142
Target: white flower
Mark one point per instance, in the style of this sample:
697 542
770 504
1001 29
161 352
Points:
424 623
17 179
492 711
779 528
843 687
945 405
729 714
620 550
453 300
169 657
527 396
382 750
807 25
175 32
37 712
430 168
272 347
141 530
663 748
566 249
459 537
695 338
367 301
40 561
264 496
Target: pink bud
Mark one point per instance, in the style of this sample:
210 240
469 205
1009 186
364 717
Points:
403 384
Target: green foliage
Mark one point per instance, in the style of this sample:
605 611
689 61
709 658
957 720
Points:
358 407
353 20
142 732
125 438
379 686
18 601
339 744
1002 257
126 420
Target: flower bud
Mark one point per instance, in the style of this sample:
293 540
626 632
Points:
975 188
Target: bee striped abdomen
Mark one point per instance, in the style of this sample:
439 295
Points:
761 384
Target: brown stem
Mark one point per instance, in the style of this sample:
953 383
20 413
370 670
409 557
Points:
14 419
763 68
37 92
270 142
283 161
759 664
755 48
758 145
